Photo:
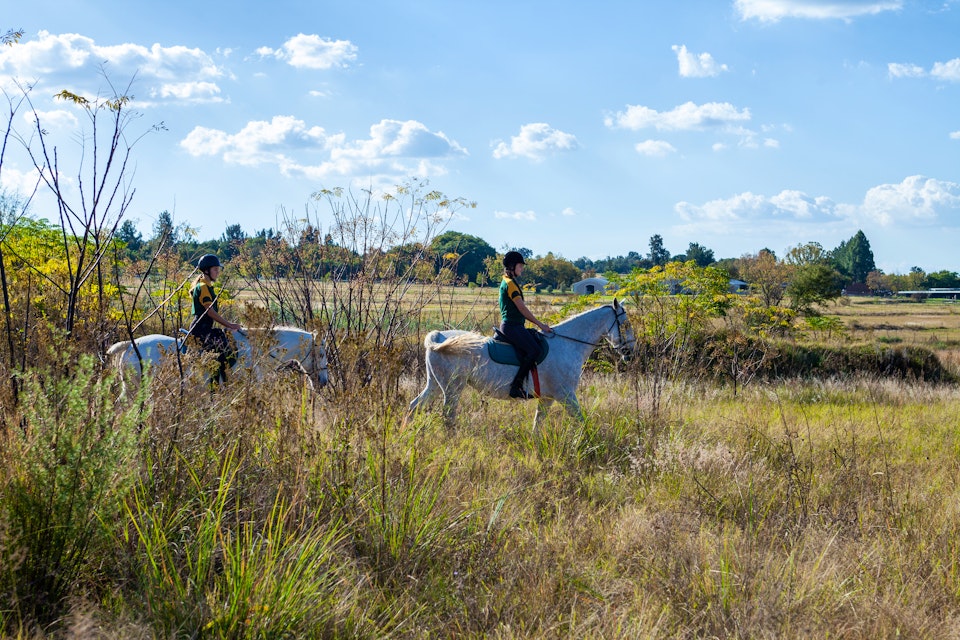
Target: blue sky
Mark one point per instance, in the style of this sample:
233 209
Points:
578 128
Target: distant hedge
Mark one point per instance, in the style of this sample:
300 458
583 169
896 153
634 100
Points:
714 356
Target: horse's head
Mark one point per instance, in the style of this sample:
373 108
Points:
620 333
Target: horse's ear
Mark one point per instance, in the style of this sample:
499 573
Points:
616 303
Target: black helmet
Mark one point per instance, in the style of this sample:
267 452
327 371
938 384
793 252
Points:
512 259
207 261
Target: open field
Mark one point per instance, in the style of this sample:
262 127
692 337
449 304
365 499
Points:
784 509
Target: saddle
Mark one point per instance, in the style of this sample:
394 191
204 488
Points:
503 352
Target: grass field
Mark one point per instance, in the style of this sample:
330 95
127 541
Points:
784 509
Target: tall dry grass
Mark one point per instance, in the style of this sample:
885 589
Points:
791 509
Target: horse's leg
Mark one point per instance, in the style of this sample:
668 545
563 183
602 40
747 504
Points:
425 396
451 401
542 405
572 405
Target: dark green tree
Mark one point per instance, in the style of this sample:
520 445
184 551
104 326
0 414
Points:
131 237
659 256
466 252
700 255
854 258
231 241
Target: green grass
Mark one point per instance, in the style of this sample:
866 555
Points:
801 509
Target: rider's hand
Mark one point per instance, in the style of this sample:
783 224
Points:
546 328
233 326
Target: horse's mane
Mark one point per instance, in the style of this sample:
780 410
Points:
579 315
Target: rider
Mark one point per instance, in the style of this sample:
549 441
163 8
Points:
513 312
206 313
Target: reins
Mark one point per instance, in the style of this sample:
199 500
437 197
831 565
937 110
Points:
616 321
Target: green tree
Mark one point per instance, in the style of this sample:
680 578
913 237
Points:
131 237
659 256
854 258
943 279
813 284
465 252
551 272
231 241
702 256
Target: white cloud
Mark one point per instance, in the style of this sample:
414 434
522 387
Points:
947 70
568 211
394 148
774 10
684 117
22 183
655 148
528 216
313 52
535 141
955 135
916 199
59 60
900 70
749 207
697 65
57 119
188 91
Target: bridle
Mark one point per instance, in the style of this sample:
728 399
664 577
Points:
616 322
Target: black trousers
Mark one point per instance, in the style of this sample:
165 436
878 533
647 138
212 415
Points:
214 339
527 346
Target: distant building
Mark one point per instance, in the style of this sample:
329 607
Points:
936 292
736 286
587 286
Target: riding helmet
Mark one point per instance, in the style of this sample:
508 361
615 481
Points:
207 261
512 259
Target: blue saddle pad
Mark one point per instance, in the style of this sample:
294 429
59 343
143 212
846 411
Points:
503 352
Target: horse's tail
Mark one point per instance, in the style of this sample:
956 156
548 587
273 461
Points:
436 341
116 353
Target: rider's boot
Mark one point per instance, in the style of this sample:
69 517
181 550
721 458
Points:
516 387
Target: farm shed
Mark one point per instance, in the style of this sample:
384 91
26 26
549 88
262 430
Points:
590 285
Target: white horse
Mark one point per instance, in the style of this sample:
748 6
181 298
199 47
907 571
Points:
285 347
455 359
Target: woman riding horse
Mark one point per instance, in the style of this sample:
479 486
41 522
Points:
206 312
513 313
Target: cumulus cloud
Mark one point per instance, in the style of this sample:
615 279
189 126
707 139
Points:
527 216
946 71
749 207
655 148
568 211
313 52
901 70
915 200
394 147
687 116
955 135
535 141
60 59
694 65
775 10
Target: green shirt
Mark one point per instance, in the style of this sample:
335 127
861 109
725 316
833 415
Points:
203 298
509 291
